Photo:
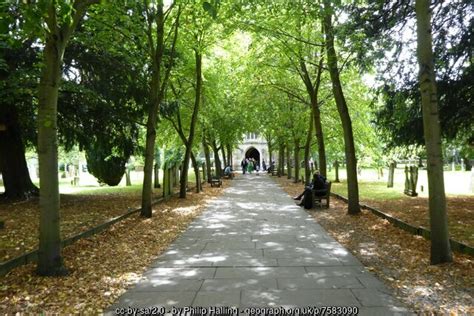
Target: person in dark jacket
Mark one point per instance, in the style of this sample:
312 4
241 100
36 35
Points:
318 185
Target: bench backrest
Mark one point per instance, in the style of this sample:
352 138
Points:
329 186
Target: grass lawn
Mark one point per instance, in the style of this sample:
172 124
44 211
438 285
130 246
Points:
414 210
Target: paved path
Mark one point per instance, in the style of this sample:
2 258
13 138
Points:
254 247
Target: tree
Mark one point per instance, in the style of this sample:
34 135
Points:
13 168
375 32
440 247
61 21
17 95
194 117
106 167
352 185
155 18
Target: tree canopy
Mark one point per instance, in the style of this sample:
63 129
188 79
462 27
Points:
332 81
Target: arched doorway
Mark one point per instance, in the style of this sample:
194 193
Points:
252 152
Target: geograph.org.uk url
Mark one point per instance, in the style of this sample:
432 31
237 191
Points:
234 311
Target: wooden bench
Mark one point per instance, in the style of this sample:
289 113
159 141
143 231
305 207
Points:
216 181
319 199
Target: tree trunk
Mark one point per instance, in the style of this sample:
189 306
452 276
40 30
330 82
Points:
313 90
207 155
49 255
281 159
224 156
196 173
157 176
192 128
149 158
352 185
288 161
128 181
307 150
336 170
156 98
440 247
217 161
320 139
166 181
229 155
270 151
13 167
297 160
204 175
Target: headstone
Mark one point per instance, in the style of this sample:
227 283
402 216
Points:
407 180
411 179
391 173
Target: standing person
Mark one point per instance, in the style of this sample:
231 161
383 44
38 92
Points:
264 165
243 165
250 166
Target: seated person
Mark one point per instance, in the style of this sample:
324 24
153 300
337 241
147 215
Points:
227 171
318 185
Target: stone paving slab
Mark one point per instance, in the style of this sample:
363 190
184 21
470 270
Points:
253 247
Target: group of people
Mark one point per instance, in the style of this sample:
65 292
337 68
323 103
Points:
249 164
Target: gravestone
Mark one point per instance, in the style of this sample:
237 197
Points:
411 179
391 173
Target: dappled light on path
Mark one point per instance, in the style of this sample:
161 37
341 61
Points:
255 247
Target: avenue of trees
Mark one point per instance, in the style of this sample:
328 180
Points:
122 78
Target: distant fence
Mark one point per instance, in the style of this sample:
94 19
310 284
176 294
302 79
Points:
415 230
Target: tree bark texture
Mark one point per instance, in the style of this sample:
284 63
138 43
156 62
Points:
13 167
352 185
297 160
207 156
440 247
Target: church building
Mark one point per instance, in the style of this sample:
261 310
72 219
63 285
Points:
253 146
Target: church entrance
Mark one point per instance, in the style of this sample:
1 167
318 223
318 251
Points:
253 153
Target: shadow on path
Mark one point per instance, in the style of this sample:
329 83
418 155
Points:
253 247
